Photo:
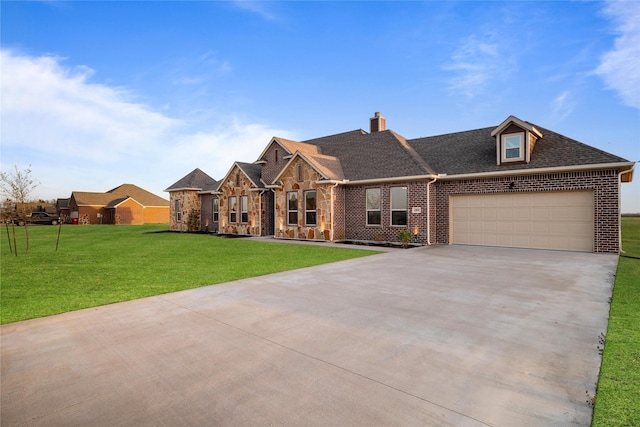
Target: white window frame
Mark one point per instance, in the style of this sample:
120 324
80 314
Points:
244 209
396 209
504 138
216 210
178 207
291 211
233 210
370 209
313 211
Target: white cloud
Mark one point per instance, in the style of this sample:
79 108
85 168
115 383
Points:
257 7
562 106
80 135
620 67
476 62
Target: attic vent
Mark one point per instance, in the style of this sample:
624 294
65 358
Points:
378 123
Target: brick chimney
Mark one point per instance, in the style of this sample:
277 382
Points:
378 123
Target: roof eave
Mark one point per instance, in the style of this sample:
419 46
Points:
392 179
622 167
169 190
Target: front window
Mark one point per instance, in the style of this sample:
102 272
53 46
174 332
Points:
292 208
244 209
178 210
233 207
310 207
399 206
513 147
373 206
216 210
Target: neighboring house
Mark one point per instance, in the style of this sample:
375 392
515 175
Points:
62 209
513 185
126 204
194 203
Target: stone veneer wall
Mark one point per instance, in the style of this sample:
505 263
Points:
604 183
190 199
356 214
322 229
229 188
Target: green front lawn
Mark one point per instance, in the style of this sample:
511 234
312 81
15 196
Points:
103 264
618 392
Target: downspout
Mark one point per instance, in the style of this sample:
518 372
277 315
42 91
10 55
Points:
333 220
620 207
260 213
275 213
435 178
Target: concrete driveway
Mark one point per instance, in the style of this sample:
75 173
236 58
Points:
440 336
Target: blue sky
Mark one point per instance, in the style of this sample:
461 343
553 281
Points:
96 94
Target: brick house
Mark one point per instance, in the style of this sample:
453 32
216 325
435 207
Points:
514 185
125 204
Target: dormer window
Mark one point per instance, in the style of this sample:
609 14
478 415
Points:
515 140
513 147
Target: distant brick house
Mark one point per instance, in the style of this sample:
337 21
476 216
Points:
513 185
126 204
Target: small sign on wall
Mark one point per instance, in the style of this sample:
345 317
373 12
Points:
416 210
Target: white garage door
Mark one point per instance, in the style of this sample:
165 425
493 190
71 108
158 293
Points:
560 220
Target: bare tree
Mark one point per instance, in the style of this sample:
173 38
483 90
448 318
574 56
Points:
17 185
8 217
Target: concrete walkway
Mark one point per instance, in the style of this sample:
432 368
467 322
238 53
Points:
440 336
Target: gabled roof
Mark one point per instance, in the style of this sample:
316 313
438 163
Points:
194 180
474 151
290 146
143 197
327 166
86 198
253 172
521 123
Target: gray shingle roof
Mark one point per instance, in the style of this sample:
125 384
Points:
194 180
474 151
253 171
369 156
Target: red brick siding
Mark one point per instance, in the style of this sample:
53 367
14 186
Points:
356 216
603 183
272 168
206 213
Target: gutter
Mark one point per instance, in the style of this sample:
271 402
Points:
382 180
537 171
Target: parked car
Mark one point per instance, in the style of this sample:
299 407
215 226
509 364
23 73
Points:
43 218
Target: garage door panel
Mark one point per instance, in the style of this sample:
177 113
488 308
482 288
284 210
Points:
546 220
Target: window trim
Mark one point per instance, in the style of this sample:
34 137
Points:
367 209
244 209
215 208
178 208
309 211
405 210
289 210
521 147
233 210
